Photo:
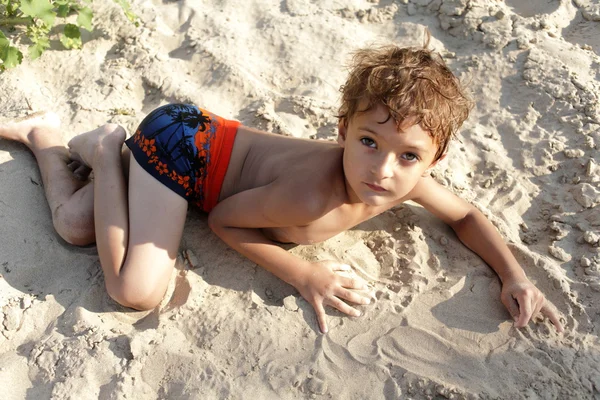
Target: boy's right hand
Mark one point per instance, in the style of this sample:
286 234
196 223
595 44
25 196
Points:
524 301
323 285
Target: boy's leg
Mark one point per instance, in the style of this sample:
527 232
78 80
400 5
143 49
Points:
138 228
70 199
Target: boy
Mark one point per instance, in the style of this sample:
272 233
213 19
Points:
400 107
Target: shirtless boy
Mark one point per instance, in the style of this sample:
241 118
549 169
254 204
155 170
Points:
400 107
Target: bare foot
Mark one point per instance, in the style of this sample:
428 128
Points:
85 147
26 129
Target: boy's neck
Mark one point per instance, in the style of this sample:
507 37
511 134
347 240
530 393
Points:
351 197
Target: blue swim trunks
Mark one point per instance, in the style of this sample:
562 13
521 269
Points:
187 149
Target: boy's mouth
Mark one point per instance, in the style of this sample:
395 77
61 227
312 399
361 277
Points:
375 188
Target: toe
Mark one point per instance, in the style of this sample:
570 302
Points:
73 165
82 172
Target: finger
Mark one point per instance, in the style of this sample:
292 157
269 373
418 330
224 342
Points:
343 307
320 311
525 310
552 313
538 306
353 297
354 283
512 306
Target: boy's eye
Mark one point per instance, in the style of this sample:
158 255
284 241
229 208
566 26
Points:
410 157
368 142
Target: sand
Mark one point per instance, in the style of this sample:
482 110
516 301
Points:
527 157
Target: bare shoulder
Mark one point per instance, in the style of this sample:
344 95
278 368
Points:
426 188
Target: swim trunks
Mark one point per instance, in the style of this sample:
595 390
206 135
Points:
187 149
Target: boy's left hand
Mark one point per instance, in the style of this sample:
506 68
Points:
325 285
524 301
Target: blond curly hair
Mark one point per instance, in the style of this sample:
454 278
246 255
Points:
410 82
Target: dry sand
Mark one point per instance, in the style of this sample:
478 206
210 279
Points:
527 157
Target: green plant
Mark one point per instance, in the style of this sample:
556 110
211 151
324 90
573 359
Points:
36 18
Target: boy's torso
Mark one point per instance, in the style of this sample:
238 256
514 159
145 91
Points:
310 169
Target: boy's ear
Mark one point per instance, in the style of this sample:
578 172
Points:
341 132
433 164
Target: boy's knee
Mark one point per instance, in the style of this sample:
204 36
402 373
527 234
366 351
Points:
77 230
136 297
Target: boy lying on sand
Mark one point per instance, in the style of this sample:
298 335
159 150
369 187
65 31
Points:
400 107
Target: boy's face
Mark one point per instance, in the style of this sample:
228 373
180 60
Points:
382 163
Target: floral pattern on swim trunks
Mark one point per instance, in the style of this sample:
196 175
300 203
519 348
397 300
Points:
148 147
173 144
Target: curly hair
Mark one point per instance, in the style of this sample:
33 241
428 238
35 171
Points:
410 82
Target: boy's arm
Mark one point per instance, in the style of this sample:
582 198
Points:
522 299
237 221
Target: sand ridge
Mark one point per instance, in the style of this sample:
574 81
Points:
527 157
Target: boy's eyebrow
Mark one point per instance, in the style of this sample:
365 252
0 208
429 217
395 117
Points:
418 148
366 128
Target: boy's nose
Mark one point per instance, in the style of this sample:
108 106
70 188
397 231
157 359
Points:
384 167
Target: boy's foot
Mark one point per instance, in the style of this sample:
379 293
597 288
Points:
28 129
85 147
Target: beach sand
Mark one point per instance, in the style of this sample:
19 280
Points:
527 157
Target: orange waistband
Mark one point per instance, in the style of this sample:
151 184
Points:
220 154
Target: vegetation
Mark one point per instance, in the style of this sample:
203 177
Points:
39 19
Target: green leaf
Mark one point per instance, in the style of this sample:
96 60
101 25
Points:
10 56
63 10
63 7
71 38
36 49
41 9
84 19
